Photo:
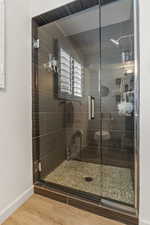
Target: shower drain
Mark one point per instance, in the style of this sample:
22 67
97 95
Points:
88 179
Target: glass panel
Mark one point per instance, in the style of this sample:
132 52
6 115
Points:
86 116
117 101
69 101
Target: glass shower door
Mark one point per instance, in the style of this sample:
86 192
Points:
118 93
85 101
69 101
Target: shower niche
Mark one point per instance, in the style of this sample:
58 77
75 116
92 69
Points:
85 105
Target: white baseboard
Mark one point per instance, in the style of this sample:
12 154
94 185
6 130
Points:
144 222
11 208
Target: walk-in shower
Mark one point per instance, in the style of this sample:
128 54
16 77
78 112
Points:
85 98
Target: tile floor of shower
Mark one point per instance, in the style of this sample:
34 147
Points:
110 182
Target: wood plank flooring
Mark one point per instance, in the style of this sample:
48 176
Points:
39 210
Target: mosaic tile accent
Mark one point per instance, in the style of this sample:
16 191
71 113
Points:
108 181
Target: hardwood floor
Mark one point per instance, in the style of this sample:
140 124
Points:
39 210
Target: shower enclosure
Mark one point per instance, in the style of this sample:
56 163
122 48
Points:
85 102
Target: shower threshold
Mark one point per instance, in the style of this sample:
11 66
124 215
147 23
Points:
86 201
77 183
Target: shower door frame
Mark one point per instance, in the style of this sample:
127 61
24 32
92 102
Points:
46 18
111 202
137 102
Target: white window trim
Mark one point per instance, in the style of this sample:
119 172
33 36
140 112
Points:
74 69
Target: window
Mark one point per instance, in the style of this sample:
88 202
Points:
70 82
65 71
77 79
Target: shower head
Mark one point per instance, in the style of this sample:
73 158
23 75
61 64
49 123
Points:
116 42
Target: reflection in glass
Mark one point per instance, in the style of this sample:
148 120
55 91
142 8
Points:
86 110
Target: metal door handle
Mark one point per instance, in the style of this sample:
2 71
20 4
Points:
91 107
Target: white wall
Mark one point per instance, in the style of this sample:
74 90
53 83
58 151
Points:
15 111
145 112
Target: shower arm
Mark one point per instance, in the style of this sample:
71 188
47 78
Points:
117 42
125 36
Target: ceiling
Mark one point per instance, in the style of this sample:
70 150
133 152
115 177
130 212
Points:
88 43
84 32
112 13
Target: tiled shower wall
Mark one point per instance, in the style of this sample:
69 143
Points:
53 128
48 115
54 122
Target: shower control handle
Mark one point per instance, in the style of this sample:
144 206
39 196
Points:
91 107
